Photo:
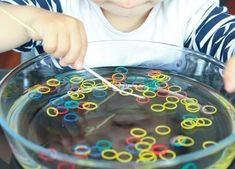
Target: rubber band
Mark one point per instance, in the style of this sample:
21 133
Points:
52 112
159 149
43 89
71 104
187 100
138 132
53 82
129 90
153 85
142 146
76 80
209 109
189 123
63 165
162 92
101 86
193 108
130 79
193 116
124 157
142 102
163 130
183 141
172 99
88 83
141 88
104 145
95 152
109 154
118 77
62 110
163 85
165 156
89 106
157 107
189 165
57 101
35 95
174 88
86 89
99 94
149 94
71 117
76 95
81 150
148 139
206 144
121 69
154 73
131 149
132 140
147 156
205 122
170 105
46 158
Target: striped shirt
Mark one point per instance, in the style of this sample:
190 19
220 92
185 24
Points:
201 25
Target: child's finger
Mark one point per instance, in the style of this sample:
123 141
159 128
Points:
79 62
229 75
75 47
50 41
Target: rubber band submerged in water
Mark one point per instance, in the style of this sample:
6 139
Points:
174 88
99 94
172 99
76 95
132 140
131 149
142 146
149 94
35 95
109 154
43 89
101 86
95 152
71 104
170 105
184 141
138 132
62 110
154 73
149 139
146 156
143 101
129 90
163 130
76 80
159 149
189 165
118 77
124 157
71 117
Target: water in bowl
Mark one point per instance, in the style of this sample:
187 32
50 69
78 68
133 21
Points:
79 115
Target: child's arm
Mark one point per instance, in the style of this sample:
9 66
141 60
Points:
63 36
214 35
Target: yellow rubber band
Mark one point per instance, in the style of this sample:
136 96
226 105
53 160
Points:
138 132
43 89
121 155
76 80
141 146
53 82
172 99
206 111
129 90
157 107
149 94
166 130
206 144
165 156
176 87
109 154
188 123
147 156
148 139
170 105
54 110
89 106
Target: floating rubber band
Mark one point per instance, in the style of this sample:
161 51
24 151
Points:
124 157
189 123
187 100
193 108
99 94
95 152
172 99
89 106
62 110
138 132
76 96
149 94
170 105
121 69
76 80
148 139
163 130
141 146
206 144
174 88
184 141
101 86
104 144
57 101
141 88
109 154
147 156
189 165
43 89
157 107
118 77
129 90
143 101
53 82
88 83
204 122
131 149
162 92
159 149
209 109
165 156
52 112
81 150
193 116
154 73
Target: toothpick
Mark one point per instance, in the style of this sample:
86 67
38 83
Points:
85 67
110 84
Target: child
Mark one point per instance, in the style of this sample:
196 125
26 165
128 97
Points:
200 25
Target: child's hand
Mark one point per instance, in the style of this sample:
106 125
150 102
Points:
229 75
63 37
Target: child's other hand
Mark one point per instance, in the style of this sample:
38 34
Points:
63 37
229 75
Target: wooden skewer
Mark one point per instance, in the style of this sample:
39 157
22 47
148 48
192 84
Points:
85 67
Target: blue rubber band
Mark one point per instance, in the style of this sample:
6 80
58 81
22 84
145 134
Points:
71 104
121 69
100 94
35 95
103 144
71 117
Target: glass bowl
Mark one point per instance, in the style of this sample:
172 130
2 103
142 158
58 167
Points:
58 117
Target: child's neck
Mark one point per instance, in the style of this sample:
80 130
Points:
125 24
